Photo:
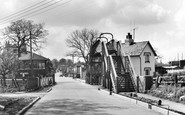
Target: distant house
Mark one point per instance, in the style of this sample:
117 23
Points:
180 64
41 66
142 55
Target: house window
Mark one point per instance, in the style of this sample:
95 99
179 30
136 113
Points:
147 70
147 57
39 65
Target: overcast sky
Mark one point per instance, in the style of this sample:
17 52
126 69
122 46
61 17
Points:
162 22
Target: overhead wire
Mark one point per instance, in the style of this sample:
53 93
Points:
22 7
30 11
35 11
87 6
21 10
47 8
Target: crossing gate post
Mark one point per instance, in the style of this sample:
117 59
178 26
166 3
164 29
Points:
137 85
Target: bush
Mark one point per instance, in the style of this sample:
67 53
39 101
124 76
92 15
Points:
170 92
166 92
180 92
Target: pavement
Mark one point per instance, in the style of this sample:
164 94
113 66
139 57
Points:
74 97
172 105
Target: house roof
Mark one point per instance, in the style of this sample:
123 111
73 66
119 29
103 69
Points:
137 48
35 57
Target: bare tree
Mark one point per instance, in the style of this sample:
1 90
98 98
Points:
81 41
21 32
9 64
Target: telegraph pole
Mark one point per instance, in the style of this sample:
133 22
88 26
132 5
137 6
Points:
31 56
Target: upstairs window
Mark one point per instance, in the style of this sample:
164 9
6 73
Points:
147 57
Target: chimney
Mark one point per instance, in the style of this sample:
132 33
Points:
129 40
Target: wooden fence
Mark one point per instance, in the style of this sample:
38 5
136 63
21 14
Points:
29 84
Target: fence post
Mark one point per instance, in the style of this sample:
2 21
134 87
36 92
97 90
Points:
117 87
110 86
137 79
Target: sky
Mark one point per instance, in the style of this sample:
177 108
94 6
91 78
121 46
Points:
159 21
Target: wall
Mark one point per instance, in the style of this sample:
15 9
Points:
136 64
152 61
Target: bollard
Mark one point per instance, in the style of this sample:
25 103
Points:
159 103
110 92
149 106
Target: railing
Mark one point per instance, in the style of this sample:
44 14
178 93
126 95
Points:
113 73
128 65
121 54
132 72
134 76
109 61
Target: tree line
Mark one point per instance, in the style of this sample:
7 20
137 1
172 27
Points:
26 33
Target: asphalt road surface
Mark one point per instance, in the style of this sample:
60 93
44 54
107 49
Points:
72 97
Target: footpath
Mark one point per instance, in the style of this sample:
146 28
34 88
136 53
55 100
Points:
172 105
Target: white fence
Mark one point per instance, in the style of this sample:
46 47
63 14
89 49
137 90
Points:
46 81
176 71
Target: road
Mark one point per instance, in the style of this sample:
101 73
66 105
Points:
72 97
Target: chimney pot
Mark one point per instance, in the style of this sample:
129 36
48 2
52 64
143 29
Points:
129 39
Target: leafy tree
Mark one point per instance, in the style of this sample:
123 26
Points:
9 64
62 61
69 62
81 41
55 63
21 32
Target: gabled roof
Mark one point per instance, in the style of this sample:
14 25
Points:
137 48
35 57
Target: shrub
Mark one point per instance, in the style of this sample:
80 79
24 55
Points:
180 92
166 92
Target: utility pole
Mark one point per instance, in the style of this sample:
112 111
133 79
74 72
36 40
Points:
31 56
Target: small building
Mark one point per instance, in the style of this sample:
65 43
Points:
180 64
40 66
142 55
79 70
